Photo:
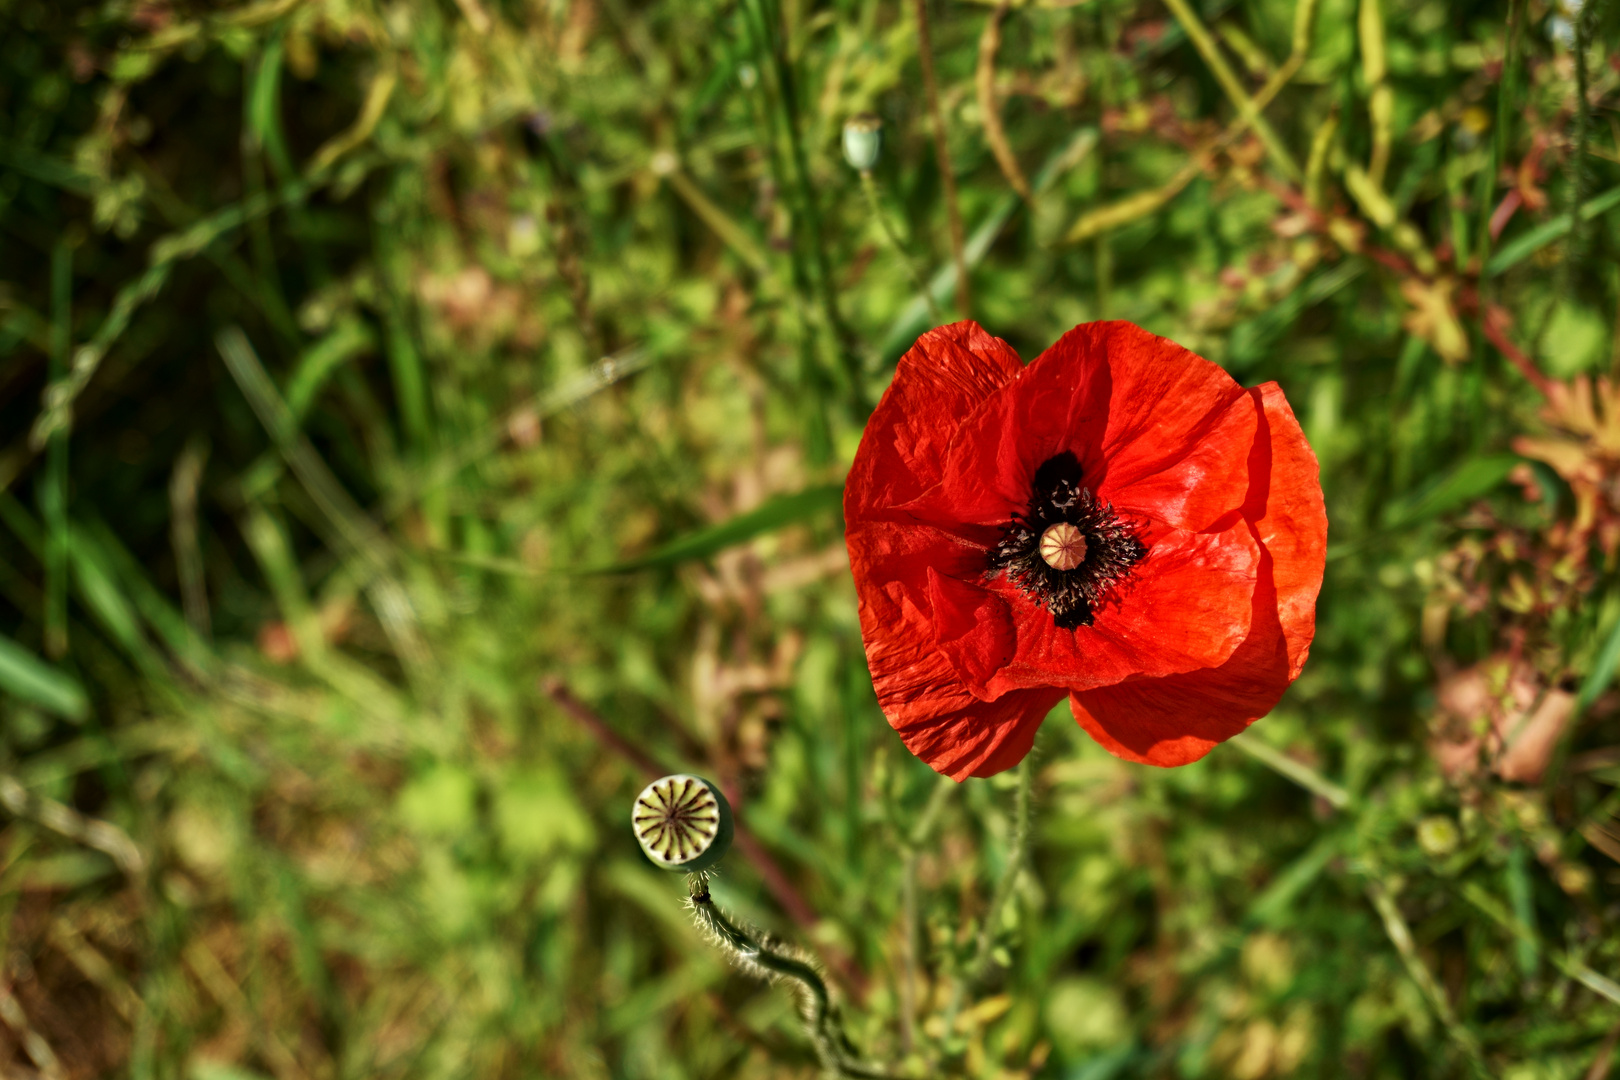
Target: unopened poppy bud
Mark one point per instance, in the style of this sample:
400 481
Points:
682 823
1063 546
863 135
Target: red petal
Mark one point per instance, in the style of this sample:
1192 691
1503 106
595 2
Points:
948 373
1180 718
968 737
972 628
937 717
1291 521
1157 429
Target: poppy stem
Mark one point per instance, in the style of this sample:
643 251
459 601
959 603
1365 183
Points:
982 953
869 186
755 954
911 843
1009 873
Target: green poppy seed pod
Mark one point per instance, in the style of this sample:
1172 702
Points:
682 822
863 135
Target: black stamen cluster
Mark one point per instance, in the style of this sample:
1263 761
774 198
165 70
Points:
1111 545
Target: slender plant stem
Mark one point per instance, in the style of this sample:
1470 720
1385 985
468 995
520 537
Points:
808 219
1400 935
909 953
1009 873
1297 771
1499 143
942 151
1248 109
1141 203
912 845
989 112
757 956
1577 159
982 952
53 497
869 187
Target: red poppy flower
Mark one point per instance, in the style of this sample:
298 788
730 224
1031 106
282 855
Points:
1119 522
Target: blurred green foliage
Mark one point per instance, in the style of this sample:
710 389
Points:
344 343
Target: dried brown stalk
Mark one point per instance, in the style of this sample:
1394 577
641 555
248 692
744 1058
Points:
953 212
994 133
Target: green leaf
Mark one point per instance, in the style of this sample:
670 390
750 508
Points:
1468 481
777 513
1602 673
28 678
1524 245
98 588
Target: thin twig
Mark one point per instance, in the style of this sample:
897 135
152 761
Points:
188 468
1297 771
1569 965
1380 97
953 212
1400 935
1142 203
352 528
1495 322
1009 873
989 112
91 832
1248 108
33 1043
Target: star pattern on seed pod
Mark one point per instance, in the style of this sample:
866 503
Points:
682 822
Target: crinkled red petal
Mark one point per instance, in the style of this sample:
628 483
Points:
947 374
1180 718
936 716
1158 430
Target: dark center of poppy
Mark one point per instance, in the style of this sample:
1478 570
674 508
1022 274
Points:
1069 551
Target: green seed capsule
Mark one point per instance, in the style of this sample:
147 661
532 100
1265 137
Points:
863 136
682 823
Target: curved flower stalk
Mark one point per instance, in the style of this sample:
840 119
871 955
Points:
755 953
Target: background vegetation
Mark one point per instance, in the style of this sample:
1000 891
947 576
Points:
420 418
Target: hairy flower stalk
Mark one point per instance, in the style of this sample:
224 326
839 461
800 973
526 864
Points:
754 953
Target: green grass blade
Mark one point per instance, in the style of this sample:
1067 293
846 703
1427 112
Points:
1473 478
28 678
1523 246
346 341
777 513
1603 668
